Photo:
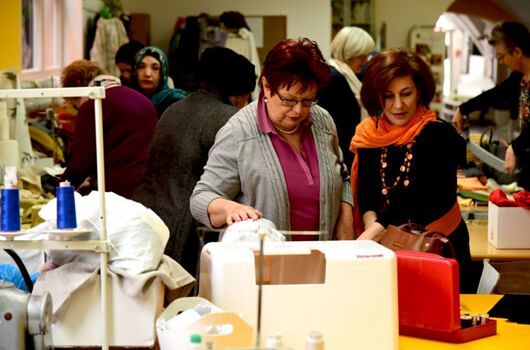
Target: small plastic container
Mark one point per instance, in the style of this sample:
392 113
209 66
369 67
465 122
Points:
315 341
274 341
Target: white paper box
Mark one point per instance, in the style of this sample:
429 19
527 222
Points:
347 290
131 323
508 227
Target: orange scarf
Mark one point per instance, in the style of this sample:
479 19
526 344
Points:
370 135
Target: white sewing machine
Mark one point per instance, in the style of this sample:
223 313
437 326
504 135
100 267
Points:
347 290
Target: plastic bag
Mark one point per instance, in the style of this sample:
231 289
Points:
137 235
11 273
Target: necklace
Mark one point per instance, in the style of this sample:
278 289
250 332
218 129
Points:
285 131
404 170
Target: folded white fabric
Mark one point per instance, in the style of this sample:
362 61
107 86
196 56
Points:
247 231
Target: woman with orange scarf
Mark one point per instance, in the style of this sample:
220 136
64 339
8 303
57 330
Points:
405 158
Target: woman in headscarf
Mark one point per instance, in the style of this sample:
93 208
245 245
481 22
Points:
150 77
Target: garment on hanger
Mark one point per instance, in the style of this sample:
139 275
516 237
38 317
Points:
210 37
110 35
184 53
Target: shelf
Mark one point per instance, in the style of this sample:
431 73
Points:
101 246
96 246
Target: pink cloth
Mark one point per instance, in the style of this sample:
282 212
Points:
301 173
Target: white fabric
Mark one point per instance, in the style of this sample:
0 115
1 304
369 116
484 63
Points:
247 231
353 82
64 280
137 235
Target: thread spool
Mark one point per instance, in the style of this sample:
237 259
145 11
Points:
66 218
10 217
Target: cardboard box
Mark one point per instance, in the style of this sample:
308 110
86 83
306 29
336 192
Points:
131 320
347 290
508 227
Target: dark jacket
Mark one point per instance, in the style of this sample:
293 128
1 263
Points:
431 191
503 96
338 99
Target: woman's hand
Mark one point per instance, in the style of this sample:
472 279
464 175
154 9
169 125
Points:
510 160
226 212
87 186
458 120
344 225
242 212
375 232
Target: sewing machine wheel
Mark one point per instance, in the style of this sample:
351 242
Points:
39 320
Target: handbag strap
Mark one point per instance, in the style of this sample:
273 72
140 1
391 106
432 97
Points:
448 222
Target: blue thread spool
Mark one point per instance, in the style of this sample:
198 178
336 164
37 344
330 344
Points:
10 218
66 218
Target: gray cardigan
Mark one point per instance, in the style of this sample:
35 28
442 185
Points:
243 166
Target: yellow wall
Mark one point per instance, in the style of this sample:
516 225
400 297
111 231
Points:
10 17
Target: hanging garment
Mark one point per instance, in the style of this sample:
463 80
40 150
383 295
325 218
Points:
110 35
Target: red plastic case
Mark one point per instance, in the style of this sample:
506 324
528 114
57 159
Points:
429 299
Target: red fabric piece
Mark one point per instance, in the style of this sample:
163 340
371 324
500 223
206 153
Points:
522 199
499 198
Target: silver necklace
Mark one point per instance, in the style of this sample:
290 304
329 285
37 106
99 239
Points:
285 131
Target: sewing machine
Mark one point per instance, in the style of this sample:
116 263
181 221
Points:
25 319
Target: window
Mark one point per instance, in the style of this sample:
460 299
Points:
46 26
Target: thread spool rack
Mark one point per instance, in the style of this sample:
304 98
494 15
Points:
100 246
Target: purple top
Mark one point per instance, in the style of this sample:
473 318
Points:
129 121
301 173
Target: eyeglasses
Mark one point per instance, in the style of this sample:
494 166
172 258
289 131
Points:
500 56
289 102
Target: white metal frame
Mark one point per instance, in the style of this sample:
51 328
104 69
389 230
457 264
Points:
101 246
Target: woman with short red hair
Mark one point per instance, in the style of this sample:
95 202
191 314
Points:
405 157
278 157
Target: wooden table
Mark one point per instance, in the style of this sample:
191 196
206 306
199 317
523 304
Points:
482 249
510 336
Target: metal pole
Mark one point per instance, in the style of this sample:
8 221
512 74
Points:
260 286
100 160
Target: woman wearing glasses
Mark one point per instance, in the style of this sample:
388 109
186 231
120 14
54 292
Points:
278 158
